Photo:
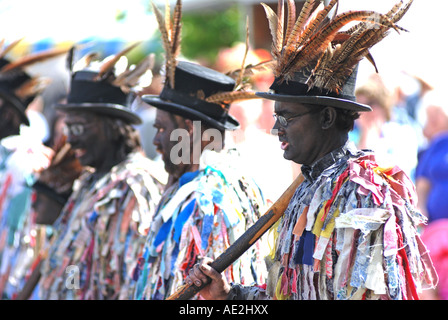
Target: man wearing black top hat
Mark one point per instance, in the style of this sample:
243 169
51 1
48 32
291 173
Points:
100 233
21 158
349 231
209 202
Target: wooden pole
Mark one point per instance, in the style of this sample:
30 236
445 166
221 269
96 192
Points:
243 243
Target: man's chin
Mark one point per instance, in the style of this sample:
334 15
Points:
287 154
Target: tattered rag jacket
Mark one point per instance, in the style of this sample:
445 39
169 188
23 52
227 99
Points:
100 234
202 215
349 232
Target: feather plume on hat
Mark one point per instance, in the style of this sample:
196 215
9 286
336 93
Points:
106 86
115 69
171 31
313 41
29 86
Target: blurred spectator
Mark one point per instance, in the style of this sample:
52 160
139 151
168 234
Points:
408 95
394 143
432 169
256 122
435 237
259 149
432 187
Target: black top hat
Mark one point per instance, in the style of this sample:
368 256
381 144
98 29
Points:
193 83
9 83
297 90
87 93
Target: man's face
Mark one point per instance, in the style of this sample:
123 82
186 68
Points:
166 123
86 134
301 138
9 120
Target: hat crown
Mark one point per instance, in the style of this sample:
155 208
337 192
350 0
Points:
85 88
193 83
191 78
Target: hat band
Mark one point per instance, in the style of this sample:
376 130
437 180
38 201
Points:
296 88
212 110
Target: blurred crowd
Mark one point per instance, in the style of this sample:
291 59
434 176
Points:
407 128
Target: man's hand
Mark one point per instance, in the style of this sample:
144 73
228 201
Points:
218 289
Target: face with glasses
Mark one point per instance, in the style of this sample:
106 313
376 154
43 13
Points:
299 131
86 133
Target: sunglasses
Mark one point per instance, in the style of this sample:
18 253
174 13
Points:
75 129
284 121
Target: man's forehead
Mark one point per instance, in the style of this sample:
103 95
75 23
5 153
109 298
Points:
163 116
80 116
281 106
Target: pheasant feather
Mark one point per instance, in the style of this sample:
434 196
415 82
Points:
226 98
8 48
108 66
299 24
31 87
33 58
131 77
272 21
291 21
170 31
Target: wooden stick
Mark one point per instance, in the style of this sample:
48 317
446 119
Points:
243 243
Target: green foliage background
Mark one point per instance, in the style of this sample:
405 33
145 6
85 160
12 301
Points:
205 33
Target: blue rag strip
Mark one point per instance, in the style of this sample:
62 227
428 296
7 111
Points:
182 218
304 252
207 225
187 177
163 233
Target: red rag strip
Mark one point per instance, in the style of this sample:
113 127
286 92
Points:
410 284
336 189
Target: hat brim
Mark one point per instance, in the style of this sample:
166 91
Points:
109 109
317 100
186 112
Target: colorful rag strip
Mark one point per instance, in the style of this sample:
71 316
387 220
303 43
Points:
100 234
217 204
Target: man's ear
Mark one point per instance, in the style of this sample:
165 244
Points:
328 117
189 126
